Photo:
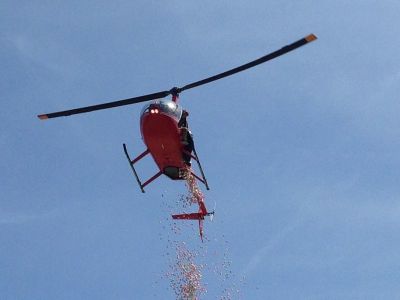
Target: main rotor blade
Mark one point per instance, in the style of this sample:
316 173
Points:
105 105
275 54
175 90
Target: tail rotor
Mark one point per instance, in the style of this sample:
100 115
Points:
211 214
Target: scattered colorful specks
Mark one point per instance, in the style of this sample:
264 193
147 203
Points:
190 267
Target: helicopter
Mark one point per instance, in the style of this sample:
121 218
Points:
165 131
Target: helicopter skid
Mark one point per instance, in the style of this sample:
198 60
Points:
132 162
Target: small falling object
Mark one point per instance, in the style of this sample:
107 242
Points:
185 271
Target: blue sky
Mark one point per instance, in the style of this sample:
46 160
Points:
302 153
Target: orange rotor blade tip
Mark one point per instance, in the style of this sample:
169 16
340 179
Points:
311 37
43 117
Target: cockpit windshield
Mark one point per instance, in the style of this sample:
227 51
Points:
168 107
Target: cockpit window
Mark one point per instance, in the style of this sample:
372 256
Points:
164 106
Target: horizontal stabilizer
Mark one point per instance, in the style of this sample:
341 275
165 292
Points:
193 216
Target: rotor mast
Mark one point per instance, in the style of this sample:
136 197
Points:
175 94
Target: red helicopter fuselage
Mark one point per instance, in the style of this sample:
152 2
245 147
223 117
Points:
168 140
163 137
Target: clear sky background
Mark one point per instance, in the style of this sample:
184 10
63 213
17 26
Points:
301 153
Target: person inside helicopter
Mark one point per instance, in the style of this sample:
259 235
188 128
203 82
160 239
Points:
186 138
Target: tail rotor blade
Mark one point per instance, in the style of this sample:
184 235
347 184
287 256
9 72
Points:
212 216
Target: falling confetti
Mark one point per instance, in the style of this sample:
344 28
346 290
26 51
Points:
187 266
185 274
194 196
